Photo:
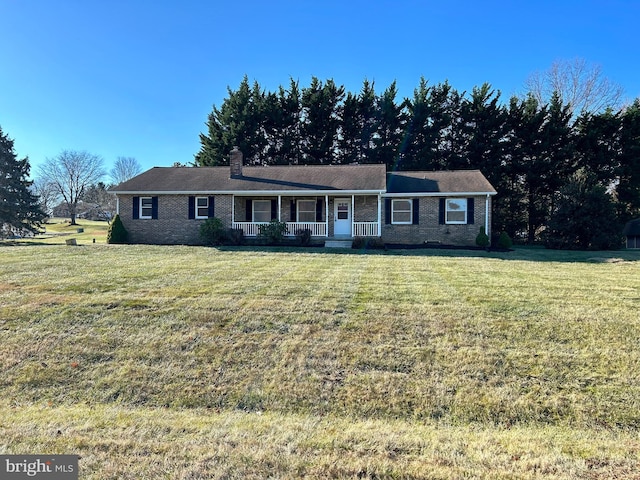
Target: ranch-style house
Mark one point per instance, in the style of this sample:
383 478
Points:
167 205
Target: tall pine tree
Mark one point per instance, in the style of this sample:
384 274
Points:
19 208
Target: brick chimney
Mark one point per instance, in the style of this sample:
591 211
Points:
236 162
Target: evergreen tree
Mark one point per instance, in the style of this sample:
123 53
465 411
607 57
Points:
390 125
486 130
322 113
19 208
584 217
628 179
598 145
283 113
415 151
238 122
350 128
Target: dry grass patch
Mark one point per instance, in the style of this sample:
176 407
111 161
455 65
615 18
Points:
306 363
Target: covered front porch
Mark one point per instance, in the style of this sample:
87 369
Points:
340 216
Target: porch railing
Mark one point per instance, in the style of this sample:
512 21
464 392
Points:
252 229
365 229
318 229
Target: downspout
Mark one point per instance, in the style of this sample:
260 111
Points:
117 205
233 211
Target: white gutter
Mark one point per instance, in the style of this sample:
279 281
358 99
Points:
436 194
253 193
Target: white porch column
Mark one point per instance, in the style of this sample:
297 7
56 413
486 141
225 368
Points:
379 217
233 210
279 207
326 215
353 212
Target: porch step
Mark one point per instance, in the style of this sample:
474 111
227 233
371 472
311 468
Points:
338 243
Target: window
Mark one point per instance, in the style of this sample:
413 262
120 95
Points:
202 207
306 211
456 210
343 210
261 211
401 211
146 207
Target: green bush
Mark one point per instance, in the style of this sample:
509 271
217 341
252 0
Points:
367 243
304 236
212 232
505 241
235 236
116 232
482 240
272 232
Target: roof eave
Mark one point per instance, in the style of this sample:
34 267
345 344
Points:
249 193
437 194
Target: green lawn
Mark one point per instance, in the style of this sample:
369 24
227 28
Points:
188 362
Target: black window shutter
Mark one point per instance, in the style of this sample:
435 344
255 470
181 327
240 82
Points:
274 209
387 211
441 212
470 210
192 208
293 211
136 208
154 208
212 207
248 212
416 211
318 210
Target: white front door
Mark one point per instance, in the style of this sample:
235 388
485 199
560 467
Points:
342 216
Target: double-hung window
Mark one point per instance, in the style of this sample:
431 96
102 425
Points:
146 207
306 211
456 210
202 207
261 211
401 211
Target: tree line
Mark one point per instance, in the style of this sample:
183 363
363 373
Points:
546 159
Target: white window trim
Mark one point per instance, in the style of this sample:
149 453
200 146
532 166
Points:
446 212
253 211
393 211
298 210
140 209
200 217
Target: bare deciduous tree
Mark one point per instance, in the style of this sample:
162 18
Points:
579 84
71 173
47 192
124 169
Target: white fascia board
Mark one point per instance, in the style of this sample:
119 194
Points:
254 193
437 194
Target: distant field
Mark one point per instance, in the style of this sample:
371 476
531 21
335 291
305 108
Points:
188 362
58 230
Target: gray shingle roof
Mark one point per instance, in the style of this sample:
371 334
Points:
255 179
294 178
458 181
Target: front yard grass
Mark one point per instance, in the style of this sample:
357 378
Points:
187 362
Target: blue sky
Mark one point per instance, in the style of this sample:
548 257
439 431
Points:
138 78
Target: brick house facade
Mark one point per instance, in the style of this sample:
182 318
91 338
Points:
168 205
